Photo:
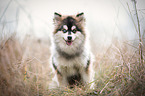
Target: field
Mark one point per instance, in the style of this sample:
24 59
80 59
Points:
24 64
25 70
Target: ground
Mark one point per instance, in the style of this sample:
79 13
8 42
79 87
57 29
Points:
25 70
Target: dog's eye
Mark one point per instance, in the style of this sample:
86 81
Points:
64 31
74 31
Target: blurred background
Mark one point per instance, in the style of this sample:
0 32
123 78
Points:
25 31
105 19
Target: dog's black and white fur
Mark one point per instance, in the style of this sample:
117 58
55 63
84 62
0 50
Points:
71 57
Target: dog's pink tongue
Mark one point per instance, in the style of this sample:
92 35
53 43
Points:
69 43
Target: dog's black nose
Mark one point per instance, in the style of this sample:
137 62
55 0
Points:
69 37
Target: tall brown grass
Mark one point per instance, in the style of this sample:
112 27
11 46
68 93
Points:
25 70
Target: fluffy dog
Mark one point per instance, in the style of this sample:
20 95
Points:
71 57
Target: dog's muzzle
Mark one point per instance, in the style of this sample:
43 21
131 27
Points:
69 40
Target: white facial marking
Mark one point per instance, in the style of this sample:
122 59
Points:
73 36
73 27
65 36
65 27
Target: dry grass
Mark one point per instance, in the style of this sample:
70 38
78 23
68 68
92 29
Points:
120 72
25 71
24 68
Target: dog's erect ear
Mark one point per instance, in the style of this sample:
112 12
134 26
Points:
80 17
57 14
80 14
57 18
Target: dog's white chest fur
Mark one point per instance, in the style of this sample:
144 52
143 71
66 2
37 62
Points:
71 66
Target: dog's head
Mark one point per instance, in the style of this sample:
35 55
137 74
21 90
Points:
69 31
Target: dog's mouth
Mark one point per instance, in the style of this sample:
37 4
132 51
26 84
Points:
69 42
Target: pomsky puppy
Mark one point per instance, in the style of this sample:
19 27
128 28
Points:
71 58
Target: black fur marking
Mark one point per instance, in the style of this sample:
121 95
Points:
78 29
76 68
69 32
69 21
60 28
79 14
74 80
88 63
55 67
57 14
